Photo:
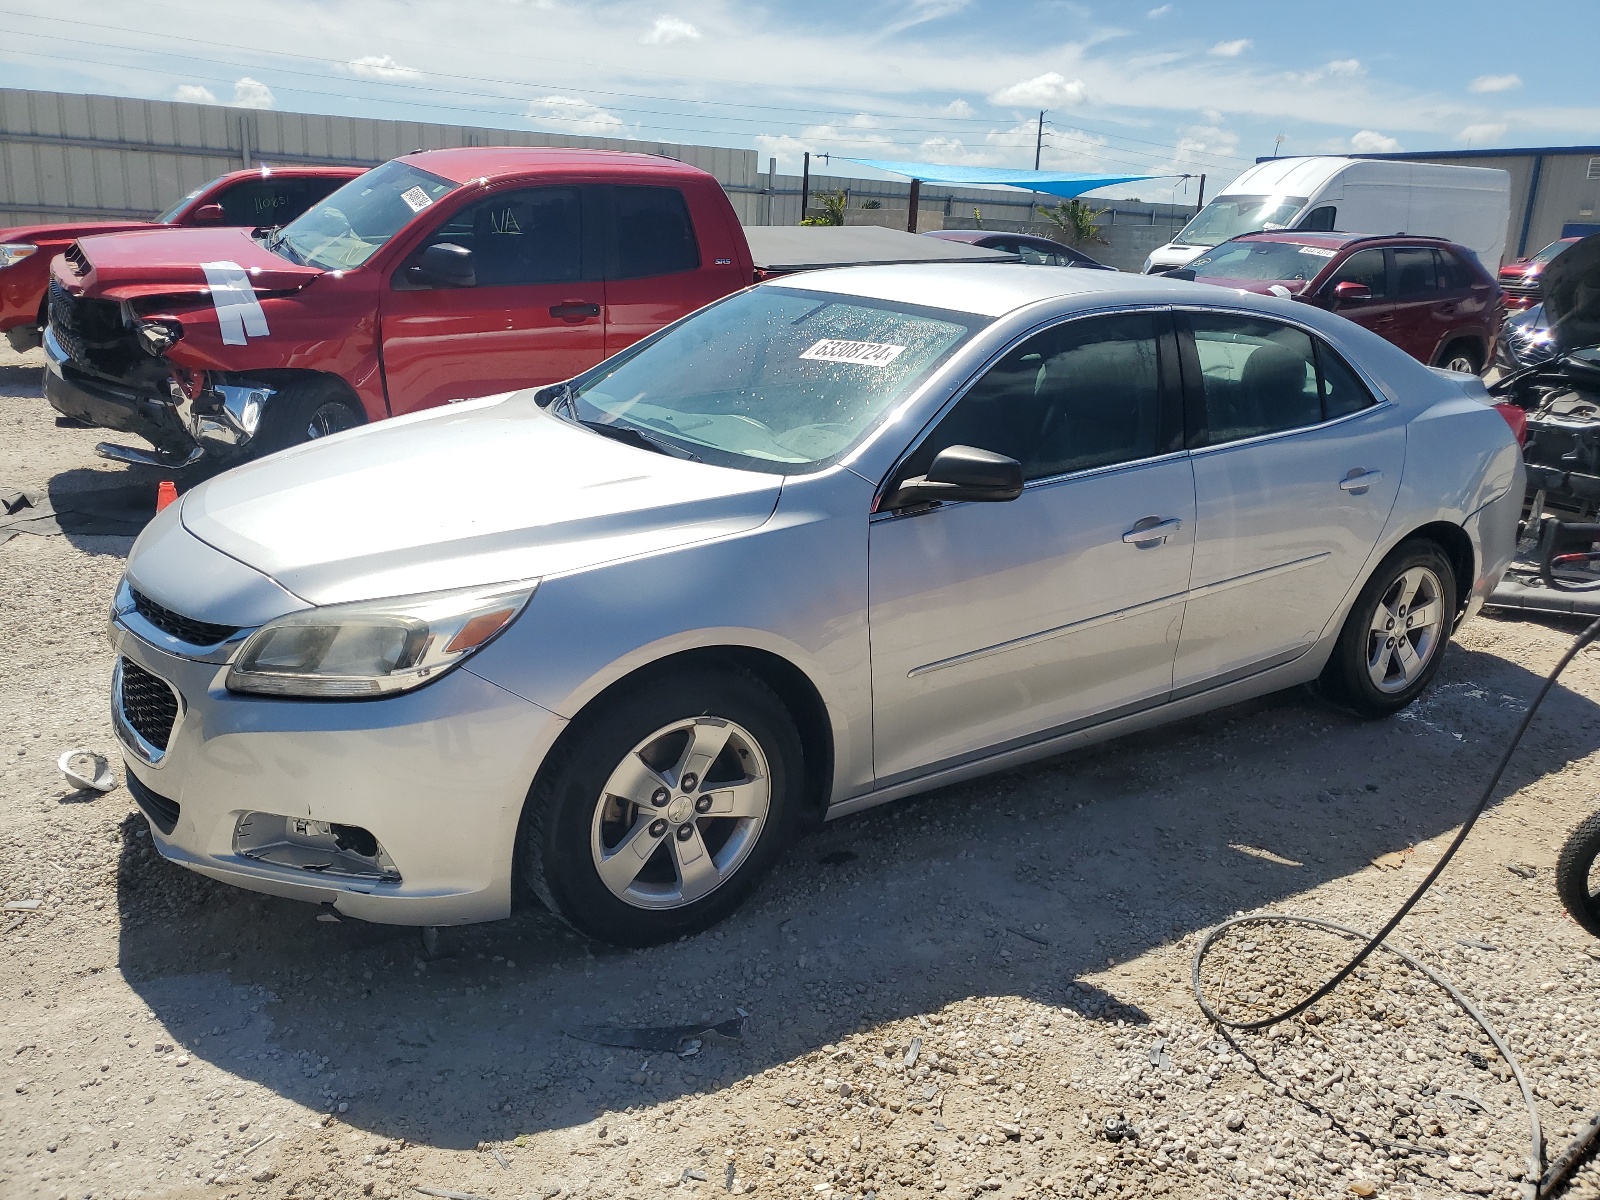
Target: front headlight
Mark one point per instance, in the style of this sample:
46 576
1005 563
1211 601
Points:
158 335
373 648
14 252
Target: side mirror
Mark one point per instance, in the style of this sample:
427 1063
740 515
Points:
443 264
1179 273
209 214
1351 292
962 473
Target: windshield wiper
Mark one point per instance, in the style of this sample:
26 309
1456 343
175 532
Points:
637 437
275 244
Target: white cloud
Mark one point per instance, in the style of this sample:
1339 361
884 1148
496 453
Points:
669 29
1231 49
1370 141
1476 135
251 93
1344 66
1157 13
1495 83
1050 90
379 66
193 93
573 114
958 108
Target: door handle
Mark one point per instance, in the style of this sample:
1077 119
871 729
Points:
1152 531
574 310
1358 481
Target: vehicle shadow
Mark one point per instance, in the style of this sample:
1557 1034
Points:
1017 884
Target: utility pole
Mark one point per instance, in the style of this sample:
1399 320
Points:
1200 202
916 197
1038 141
805 185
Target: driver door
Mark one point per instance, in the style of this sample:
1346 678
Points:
994 624
536 315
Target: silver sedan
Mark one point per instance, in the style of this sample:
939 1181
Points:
829 542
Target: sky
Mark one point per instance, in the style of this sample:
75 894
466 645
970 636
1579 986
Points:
1165 89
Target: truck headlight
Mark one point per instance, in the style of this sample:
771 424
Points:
158 335
373 648
14 252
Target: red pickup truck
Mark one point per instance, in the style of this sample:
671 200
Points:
438 276
261 196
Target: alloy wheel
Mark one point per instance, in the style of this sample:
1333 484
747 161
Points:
680 813
1462 363
1406 630
330 418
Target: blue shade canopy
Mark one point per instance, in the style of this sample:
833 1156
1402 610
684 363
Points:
1054 183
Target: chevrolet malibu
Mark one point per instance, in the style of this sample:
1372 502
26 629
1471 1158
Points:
828 542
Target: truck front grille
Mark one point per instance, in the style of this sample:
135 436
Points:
148 704
85 326
185 629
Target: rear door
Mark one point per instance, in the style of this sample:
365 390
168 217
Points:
1416 300
534 317
657 268
1296 467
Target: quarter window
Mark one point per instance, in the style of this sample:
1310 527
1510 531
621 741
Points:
654 235
1453 273
1082 395
1365 266
1322 218
1414 272
1259 377
533 235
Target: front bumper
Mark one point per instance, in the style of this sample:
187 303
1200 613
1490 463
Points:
438 776
107 404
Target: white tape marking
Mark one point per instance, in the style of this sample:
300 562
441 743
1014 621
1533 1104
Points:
238 311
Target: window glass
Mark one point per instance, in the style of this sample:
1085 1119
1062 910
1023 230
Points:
1322 218
349 226
1261 261
1453 273
1414 272
1257 376
654 235
171 214
259 202
533 235
1365 266
1342 390
771 379
1084 394
1229 216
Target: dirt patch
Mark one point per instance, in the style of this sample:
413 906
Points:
949 996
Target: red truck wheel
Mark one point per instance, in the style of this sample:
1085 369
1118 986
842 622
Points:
304 411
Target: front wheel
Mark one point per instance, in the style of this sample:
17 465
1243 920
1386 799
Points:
665 808
304 411
1578 875
1394 638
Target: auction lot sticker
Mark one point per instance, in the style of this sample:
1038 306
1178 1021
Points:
416 199
862 354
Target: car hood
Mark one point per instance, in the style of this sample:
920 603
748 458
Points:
165 261
61 229
490 491
1570 286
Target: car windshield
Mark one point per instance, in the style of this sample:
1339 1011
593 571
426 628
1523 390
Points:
772 379
1552 250
1261 260
1229 216
347 228
171 215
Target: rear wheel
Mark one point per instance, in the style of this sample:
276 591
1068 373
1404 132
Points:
1578 875
1394 638
1461 356
304 411
665 808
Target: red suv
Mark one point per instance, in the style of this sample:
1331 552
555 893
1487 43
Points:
1519 279
1430 297
261 196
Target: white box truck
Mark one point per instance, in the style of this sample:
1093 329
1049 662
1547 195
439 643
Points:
1468 205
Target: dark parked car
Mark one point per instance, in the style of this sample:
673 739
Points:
1520 279
1430 297
1040 250
1526 338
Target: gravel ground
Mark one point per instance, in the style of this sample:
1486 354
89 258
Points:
950 996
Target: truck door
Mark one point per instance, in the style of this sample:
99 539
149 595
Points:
534 316
658 270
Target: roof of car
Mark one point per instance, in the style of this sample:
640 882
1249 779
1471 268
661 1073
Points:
1336 240
992 290
977 235
466 163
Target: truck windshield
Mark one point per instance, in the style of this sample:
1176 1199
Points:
1229 216
347 228
171 215
1261 260
772 379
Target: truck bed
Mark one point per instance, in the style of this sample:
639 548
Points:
782 249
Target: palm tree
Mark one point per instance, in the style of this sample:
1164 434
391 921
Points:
833 206
1075 221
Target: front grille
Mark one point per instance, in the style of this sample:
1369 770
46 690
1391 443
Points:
1521 291
64 323
185 629
163 813
148 705
83 325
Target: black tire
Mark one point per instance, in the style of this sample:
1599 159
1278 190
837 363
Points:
1462 356
1359 654
1576 881
564 823
303 411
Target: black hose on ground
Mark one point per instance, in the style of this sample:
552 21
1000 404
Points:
1536 1157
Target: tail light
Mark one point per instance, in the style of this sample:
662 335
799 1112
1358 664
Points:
1516 418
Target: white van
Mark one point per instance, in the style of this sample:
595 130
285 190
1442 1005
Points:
1470 206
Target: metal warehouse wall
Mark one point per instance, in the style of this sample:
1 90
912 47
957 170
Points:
66 157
